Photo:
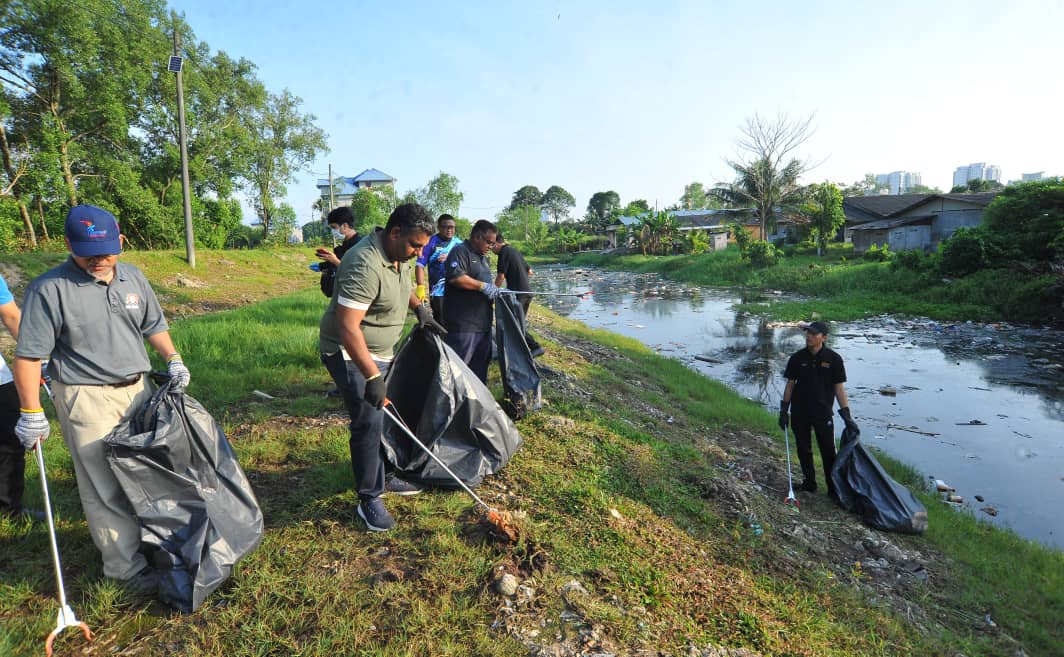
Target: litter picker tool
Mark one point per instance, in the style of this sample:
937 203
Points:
495 517
790 499
547 294
66 617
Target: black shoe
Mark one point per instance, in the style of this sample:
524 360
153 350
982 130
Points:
807 486
397 486
334 393
26 514
538 351
376 516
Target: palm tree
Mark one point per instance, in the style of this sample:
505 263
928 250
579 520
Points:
763 188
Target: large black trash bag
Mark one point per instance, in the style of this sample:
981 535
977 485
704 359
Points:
520 378
194 503
450 411
865 488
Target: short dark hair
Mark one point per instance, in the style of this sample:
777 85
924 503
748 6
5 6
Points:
499 237
481 227
410 218
444 217
340 216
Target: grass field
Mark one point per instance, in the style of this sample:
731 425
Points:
649 502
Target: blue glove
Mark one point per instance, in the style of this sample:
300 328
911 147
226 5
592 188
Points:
490 291
32 426
179 374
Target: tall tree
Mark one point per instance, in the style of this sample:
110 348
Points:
519 223
557 202
527 195
823 207
636 208
602 207
767 178
694 197
283 141
441 195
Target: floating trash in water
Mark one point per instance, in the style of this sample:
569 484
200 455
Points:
888 391
971 423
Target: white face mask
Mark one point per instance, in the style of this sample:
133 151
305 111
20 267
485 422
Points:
337 234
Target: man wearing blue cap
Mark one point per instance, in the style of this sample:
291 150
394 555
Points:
89 317
816 377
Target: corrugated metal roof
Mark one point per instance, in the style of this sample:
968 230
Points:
887 224
882 206
373 175
982 199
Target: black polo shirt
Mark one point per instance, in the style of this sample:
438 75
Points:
513 267
467 311
815 375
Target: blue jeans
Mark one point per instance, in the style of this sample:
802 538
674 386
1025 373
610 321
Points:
366 424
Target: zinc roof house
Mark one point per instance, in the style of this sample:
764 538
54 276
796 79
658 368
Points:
910 221
344 188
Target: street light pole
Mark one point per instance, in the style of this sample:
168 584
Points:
176 66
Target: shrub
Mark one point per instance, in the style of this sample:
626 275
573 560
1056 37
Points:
963 253
877 253
762 254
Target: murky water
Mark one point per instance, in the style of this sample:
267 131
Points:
991 395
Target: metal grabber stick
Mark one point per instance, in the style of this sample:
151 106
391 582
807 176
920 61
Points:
66 617
791 499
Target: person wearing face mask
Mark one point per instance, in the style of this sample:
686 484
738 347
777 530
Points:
89 317
341 222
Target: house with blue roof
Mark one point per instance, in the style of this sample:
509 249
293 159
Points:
344 188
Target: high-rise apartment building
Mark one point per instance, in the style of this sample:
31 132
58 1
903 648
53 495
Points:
976 171
899 182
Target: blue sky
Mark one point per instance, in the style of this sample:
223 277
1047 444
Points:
643 98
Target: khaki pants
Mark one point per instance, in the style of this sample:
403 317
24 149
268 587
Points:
86 415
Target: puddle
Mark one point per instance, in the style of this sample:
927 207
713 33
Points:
980 406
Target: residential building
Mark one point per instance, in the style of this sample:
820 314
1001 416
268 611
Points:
899 182
910 221
344 189
976 171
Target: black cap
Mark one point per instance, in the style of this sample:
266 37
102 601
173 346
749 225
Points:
816 327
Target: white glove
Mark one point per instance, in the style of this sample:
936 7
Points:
32 426
179 374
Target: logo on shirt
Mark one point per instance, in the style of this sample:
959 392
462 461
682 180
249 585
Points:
132 301
825 364
454 264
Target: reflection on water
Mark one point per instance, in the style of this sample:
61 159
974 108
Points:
1009 380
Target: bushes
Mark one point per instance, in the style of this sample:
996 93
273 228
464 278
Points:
1029 217
762 254
964 253
877 253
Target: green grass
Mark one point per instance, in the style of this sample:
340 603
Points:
624 482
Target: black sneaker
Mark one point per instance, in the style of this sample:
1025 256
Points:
376 516
397 486
807 486
334 394
537 351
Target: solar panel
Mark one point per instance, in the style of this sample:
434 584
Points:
175 64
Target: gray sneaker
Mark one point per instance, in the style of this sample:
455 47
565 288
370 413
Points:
397 486
376 516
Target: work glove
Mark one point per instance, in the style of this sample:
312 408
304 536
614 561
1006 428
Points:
31 427
844 413
179 374
421 292
376 391
784 418
490 291
425 320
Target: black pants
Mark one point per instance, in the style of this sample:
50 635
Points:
12 454
526 301
436 303
802 426
474 349
366 424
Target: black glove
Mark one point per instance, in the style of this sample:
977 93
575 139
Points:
376 391
844 413
784 418
425 320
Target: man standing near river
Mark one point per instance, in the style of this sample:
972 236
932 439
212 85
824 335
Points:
816 377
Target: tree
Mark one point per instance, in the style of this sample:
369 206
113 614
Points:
824 209
636 208
366 206
767 180
977 185
656 232
519 223
601 208
694 197
283 141
557 201
529 195
1029 219
923 189
441 195
865 187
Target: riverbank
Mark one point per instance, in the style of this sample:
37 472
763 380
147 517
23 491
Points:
650 502
839 287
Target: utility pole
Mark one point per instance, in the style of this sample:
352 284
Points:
176 65
332 202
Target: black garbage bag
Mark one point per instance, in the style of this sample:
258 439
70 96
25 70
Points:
197 512
448 408
520 378
866 489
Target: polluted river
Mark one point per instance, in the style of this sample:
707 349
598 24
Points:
979 407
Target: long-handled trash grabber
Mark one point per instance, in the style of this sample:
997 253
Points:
495 517
791 499
547 294
66 616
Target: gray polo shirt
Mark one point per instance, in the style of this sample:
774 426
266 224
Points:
368 280
92 332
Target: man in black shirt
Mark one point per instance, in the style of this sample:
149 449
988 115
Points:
342 224
513 268
470 297
815 379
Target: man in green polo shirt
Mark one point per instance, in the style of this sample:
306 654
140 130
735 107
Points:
357 337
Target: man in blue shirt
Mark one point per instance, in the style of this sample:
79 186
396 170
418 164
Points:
429 271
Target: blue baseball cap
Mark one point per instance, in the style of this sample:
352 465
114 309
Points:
92 231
